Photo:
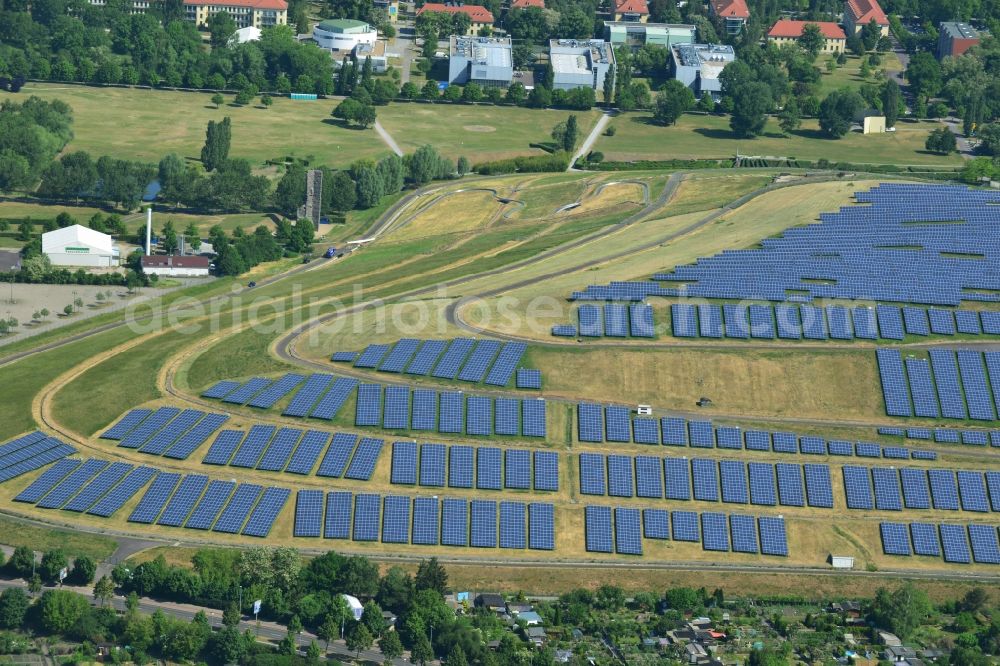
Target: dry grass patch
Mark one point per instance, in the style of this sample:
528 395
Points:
554 581
706 191
624 194
799 384
458 213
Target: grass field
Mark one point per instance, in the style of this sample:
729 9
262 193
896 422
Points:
801 384
16 533
292 128
849 75
709 136
480 133
714 189
124 122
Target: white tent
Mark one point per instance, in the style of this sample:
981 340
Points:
79 246
244 35
355 605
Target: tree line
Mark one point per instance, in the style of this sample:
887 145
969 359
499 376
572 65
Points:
72 40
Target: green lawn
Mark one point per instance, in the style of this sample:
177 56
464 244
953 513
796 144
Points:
74 544
147 124
701 136
479 132
849 75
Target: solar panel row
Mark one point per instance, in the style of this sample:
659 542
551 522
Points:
953 541
618 531
424 520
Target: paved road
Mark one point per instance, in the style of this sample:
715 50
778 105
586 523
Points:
965 148
592 137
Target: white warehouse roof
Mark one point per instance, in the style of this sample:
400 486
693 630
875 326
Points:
62 240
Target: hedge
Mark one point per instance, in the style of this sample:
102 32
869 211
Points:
536 163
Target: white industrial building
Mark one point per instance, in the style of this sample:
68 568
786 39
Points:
79 246
174 266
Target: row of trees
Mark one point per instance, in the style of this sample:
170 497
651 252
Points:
309 596
70 40
365 183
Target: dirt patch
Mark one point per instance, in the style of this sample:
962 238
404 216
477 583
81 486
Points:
31 298
479 128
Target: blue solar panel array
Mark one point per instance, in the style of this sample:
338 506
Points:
618 321
833 322
962 388
128 422
959 544
30 452
597 423
950 235
276 391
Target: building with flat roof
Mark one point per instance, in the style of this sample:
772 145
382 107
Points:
256 13
954 39
698 66
580 63
859 13
479 15
630 10
174 266
376 51
787 31
734 14
486 61
77 245
637 35
343 34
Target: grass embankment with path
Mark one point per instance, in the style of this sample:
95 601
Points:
183 363
761 217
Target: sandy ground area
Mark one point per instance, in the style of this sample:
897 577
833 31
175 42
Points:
21 301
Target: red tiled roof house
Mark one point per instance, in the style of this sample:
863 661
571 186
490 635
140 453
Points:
631 11
859 13
787 31
479 15
733 14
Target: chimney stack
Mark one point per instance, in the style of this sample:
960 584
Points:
149 228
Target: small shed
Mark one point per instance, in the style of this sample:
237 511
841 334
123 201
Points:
841 562
493 602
